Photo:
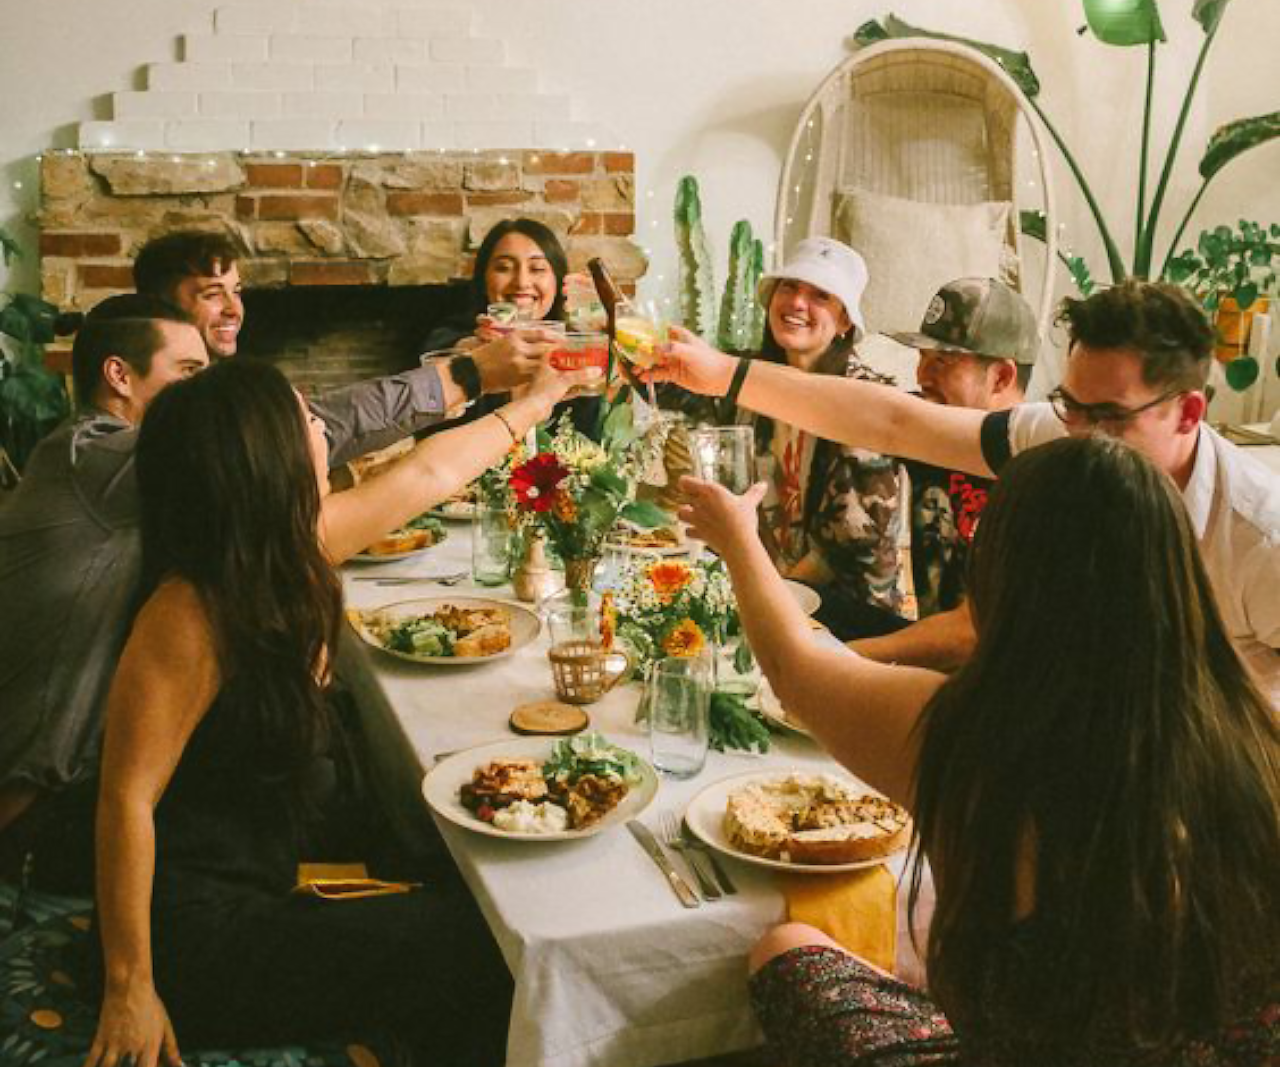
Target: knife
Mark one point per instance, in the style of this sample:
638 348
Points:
650 844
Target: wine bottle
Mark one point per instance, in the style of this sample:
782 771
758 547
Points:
609 293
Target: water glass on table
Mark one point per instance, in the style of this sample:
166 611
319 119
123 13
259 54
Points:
678 695
492 542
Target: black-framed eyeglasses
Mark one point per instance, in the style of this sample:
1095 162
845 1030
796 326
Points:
1069 409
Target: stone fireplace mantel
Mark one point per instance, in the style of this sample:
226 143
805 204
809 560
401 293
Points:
325 219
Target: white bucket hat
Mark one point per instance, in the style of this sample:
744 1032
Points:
829 265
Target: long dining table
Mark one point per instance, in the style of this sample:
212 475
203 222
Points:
609 968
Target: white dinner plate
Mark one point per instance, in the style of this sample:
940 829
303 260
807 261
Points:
809 599
454 511
705 816
771 708
442 782
524 626
392 557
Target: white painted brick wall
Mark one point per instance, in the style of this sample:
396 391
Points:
387 51
153 105
184 77
207 135
486 79
438 23
273 77
295 49
439 134
380 135
128 133
437 78
467 50
324 105
355 78
260 16
223 48
404 106
240 104
349 21
295 75
294 135
494 135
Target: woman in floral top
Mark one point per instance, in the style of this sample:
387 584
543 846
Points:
833 514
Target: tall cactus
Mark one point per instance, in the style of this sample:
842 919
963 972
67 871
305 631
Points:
697 285
740 322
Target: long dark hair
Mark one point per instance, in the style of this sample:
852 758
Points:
1106 730
230 503
539 234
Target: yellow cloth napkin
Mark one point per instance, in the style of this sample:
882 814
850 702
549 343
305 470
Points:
344 881
858 909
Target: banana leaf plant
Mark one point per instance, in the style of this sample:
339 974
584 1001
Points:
1123 24
32 401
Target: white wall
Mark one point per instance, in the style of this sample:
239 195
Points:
713 87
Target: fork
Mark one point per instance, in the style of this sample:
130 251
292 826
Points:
673 838
410 579
699 846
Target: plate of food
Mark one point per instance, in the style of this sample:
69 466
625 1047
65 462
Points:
799 821
405 542
659 541
461 507
771 708
541 789
451 631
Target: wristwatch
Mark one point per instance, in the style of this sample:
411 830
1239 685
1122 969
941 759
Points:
466 376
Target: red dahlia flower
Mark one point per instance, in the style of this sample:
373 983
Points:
535 483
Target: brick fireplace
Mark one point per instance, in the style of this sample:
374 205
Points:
323 223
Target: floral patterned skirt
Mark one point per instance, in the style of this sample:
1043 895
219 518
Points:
821 1008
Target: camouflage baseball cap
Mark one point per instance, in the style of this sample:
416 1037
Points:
978 316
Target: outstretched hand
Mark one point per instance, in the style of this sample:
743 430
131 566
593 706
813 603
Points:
718 517
514 359
692 364
134 1031
551 386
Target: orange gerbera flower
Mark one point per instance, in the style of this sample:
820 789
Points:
564 508
668 578
685 640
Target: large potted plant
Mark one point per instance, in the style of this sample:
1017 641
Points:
32 401
1234 273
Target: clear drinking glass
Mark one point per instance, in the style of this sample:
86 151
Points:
492 541
678 695
725 455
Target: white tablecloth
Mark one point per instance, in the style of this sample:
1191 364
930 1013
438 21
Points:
609 969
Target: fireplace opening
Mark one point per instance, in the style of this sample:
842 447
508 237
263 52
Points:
323 337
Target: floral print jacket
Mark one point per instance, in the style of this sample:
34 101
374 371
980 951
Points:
835 513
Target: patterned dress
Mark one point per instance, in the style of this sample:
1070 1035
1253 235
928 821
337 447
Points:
835 511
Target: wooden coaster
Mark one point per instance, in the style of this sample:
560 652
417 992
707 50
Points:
548 717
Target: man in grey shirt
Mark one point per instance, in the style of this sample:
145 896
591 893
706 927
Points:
69 552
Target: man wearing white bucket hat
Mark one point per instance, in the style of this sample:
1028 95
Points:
833 514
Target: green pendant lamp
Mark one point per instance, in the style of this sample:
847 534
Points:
1124 22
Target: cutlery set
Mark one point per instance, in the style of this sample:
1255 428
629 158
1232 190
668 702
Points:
713 881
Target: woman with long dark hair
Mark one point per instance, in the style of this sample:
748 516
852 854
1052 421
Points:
1096 792
520 262
222 762
833 515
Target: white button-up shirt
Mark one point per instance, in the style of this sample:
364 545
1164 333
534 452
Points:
1234 505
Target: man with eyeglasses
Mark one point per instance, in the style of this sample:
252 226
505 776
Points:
1138 360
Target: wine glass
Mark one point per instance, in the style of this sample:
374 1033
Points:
637 333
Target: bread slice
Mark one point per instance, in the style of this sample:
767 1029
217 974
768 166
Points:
485 641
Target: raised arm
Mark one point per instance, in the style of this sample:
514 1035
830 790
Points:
166 681
851 412
942 642
437 468
862 712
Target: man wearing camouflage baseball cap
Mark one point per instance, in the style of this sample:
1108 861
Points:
978 344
